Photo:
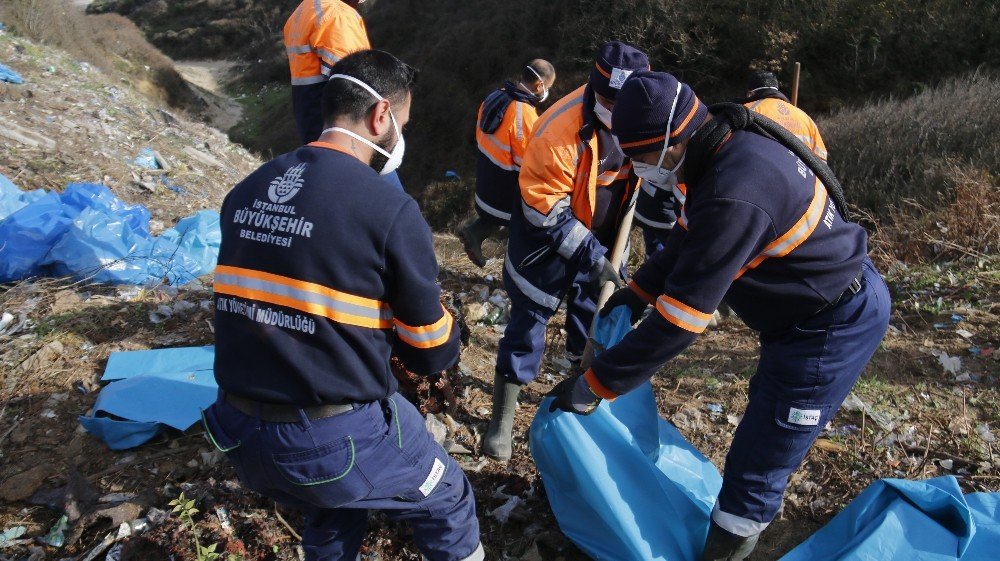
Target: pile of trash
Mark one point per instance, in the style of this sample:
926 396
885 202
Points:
88 233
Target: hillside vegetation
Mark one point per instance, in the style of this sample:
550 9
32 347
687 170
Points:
852 51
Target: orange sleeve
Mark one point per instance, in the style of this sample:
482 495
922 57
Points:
548 171
521 133
341 33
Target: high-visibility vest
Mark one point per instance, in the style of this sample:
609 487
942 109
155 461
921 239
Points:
318 34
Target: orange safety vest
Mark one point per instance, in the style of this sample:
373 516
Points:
505 147
559 164
794 120
318 34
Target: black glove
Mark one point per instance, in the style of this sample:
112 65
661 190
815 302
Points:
625 296
604 272
573 395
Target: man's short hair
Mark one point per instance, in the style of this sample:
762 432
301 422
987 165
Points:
542 67
392 78
762 79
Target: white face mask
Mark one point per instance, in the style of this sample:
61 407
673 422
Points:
395 158
656 175
603 114
545 90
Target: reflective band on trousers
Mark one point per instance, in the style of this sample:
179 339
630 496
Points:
490 210
531 291
797 234
304 296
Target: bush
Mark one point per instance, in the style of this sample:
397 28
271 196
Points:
892 150
445 204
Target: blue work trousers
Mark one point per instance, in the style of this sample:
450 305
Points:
519 357
377 456
803 377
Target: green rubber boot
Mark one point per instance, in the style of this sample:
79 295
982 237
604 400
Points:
472 234
722 545
497 443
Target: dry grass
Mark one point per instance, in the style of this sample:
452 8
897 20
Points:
109 42
894 150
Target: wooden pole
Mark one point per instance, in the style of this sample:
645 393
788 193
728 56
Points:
617 257
795 84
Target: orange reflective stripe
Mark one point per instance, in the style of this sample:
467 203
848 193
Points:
797 234
690 115
602 71
597 387
303 296
649 298
682 315
426 336
635 143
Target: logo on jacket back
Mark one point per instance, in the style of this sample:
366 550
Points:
286 186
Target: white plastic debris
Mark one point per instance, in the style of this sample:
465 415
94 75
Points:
502 513
436 428
947 464
951 364
984 432
161 314
5 320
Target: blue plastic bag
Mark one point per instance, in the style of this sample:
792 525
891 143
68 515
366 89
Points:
912 520
622 482
11 198
27 235
80 196
8 75
102 247
151 390
194 244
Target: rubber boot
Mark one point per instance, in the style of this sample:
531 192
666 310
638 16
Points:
497 443
472 234
723 545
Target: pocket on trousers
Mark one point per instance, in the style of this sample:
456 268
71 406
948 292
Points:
216 435
327 471
801 417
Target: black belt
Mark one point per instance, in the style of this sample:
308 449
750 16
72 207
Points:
853 288
284 413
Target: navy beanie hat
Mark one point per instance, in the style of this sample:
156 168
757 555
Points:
615 62
642 110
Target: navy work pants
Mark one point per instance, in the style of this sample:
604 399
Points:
519 356
377 456
803 377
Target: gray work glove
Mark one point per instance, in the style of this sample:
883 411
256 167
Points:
604 272
625 297
573 395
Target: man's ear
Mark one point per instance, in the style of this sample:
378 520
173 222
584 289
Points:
380 119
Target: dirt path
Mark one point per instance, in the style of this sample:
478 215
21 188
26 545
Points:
207 77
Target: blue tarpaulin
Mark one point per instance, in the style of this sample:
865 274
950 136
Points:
8 75
151 390
88 233
623 483
913 520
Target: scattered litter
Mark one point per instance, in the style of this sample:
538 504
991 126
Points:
562 364
115 553
477 467
946 464
224 522
951 364
436 428
828 445
964 333
5 320
955 318
26 136
965 378
845 430
985 352
116 497
855 403
734 420
502 513
150 159
984 432
714 408
56 536
48 414
11 534
8 75
161 314
453 447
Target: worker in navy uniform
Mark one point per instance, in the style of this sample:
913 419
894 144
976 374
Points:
760 229
325 270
